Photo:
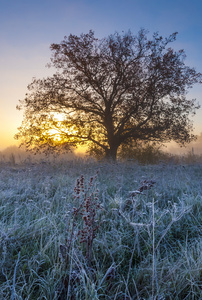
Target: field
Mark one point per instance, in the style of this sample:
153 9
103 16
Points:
85 230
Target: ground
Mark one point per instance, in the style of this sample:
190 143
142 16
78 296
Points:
82 229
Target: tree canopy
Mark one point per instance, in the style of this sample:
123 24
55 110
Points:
110 92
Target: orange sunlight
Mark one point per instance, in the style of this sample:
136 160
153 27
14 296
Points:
56 134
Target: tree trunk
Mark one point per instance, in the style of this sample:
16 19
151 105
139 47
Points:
111 153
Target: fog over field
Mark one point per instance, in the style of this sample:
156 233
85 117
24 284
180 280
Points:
195 147
15 154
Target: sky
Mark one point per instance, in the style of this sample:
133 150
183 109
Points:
27 28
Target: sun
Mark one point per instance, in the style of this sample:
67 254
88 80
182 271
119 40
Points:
55 135
58 116
58 133
57 129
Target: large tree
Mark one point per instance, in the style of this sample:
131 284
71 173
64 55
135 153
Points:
109 92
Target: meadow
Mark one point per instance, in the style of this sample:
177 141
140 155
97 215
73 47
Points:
82 229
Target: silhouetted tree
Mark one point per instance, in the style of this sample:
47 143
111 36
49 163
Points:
109 92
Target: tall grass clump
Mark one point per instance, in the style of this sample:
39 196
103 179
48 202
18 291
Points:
127 231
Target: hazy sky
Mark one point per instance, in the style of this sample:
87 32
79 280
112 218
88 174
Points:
27 28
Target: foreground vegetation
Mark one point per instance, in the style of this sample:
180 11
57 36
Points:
86 230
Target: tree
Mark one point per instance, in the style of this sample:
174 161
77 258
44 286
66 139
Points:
109 92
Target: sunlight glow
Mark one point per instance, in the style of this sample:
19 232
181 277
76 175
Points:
56 134
58 116
58 131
